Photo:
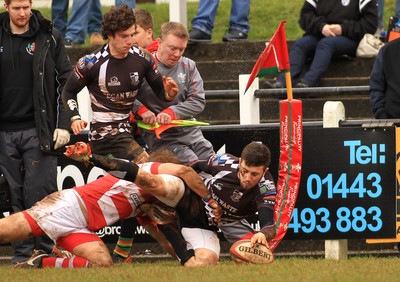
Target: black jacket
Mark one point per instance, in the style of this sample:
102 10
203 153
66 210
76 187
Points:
356 17
51 69
384 83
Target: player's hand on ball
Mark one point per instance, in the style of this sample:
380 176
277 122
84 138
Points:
80 151
258 238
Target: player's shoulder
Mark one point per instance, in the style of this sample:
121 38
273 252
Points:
88 60
223 157
141 54
267 184
187 61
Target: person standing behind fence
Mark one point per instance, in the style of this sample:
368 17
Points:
188 143
381 26
203 22
130 3
332 28
384 83
85 18
34 68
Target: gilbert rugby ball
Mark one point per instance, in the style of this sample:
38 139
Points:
241 252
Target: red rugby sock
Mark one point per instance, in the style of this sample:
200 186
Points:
74 262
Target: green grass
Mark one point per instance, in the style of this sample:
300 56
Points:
265 17
285 269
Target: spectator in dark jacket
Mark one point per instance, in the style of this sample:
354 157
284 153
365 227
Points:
332 28
34 67
384 83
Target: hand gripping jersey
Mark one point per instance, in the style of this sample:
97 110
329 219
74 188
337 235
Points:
113 84
220 175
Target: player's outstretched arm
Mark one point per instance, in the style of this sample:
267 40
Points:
125 170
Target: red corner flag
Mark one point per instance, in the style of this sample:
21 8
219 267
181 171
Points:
274 58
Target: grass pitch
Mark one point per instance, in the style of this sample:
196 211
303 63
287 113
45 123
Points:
283 269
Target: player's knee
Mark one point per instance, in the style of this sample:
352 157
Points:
102 261
206 257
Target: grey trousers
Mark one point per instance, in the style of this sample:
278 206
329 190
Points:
31 176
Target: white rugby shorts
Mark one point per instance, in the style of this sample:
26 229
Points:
59 214
201 238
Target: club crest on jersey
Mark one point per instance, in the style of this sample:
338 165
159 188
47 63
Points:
345 2
182 78
30 49
236 196
114 81
134 78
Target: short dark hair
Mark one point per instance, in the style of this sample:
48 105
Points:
143 18
117 19
256 154
8 2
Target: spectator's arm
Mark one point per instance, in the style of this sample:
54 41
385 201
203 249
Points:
309 21
63 70
368 22
377 88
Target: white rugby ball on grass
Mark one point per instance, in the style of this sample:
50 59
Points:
241 252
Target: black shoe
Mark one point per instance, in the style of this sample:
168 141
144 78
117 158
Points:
196 35
35 261
276 84
302 84
68 43
120 259
234 35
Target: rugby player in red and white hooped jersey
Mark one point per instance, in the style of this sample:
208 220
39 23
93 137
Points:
71 216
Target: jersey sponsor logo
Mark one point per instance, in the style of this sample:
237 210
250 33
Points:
81 63
345 2
114 81
135 199
266 185
182 78
30 49
236 196
134 78
115 97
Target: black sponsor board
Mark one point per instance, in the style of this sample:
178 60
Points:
348 182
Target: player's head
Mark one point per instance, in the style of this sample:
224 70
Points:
118 27
253 163
143 36
19 12
172 43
